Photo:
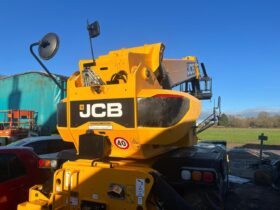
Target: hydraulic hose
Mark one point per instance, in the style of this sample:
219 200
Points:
167 196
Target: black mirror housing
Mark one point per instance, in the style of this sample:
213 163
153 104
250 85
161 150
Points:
93 29
48 46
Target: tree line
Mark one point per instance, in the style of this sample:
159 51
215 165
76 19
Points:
262 120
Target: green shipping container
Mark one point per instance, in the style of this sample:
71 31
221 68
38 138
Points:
34 91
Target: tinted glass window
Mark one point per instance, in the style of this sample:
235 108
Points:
50 146
54 146
39 147
59 145
10 167
67 145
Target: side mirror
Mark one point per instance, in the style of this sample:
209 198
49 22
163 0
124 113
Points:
93 29
48 46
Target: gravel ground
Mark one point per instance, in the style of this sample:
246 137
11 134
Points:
244 162
252 197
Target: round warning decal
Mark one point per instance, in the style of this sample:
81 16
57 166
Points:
121 143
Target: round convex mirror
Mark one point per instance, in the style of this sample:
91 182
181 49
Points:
48 46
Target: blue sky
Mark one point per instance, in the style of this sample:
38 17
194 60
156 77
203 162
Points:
239 41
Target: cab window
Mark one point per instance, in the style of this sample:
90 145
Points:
39 147
10 167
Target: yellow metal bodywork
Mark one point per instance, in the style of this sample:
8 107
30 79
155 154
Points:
141 65
88 180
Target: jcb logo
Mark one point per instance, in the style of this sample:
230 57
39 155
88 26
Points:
190 69
117 110
100 110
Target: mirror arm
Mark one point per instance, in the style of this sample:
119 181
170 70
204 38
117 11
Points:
43 66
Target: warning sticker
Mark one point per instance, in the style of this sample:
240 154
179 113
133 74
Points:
140 187
67 178
140 200
121 143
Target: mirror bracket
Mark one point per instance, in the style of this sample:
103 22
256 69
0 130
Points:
93 31
41 63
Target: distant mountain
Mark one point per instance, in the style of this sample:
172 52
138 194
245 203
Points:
244 113
256 111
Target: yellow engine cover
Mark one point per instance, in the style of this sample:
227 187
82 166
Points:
140 118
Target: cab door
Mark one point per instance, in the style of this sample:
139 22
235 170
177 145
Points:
14 182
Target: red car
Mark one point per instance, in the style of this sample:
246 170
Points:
19 170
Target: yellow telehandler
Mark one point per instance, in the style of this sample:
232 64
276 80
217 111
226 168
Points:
132 117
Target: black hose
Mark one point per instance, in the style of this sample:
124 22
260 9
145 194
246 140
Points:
214 203
204 69
168 198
